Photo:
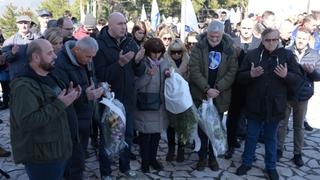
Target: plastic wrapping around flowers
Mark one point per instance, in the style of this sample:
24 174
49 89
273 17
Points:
211 124
113 122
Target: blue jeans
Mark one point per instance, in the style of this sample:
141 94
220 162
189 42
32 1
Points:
124 157
47 171
270 140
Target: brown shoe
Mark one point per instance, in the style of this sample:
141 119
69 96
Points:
201 165
213 164
4 153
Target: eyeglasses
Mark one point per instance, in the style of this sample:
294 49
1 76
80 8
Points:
165 39
68 29
176 52
273 40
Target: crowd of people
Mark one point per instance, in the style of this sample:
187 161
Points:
256 72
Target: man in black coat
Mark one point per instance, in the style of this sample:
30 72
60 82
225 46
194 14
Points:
73 65
268 72
118 62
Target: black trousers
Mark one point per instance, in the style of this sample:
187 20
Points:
149 146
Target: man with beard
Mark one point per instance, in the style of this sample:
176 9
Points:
310 60
40 135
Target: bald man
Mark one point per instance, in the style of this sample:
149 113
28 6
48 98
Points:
118 62
40 135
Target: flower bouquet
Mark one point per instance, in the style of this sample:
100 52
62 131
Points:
113 123
211 124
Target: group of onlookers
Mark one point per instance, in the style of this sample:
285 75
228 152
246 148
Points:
254 74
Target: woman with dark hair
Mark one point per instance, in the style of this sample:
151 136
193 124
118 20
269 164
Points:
139 32
150 115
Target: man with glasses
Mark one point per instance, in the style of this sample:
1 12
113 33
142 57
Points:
213 67
236 124
66 26
268 72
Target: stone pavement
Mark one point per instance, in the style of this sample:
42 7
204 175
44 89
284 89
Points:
186 170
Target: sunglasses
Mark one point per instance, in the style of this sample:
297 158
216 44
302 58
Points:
176 52
165 39
273 40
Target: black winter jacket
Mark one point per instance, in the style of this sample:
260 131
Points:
266 95
67 69
109 70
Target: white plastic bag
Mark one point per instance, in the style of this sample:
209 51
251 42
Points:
177 93
113 123
211 124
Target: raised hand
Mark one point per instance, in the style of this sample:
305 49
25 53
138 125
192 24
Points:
256 71
15 49
125 58
139 55
281 70
94 93
68 97
309 68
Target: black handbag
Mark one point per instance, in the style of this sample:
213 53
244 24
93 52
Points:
306 88
148 101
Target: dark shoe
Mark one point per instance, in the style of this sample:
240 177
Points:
170 155
229 153
1 121
94 143
201 165
4 106
273 174
297 159
213 164
279 154
237 144
180 154
4 153
156 165
133 156
307 127
242 170
145 167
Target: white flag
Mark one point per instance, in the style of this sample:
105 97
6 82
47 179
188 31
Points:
189 20
143 16
155 15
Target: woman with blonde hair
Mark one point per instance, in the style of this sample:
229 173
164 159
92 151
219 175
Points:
178 57
167 36
54 36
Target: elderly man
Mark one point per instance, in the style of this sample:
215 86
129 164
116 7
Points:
74 64
14 50
268 72
310 60
40 135
213 67
118 62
